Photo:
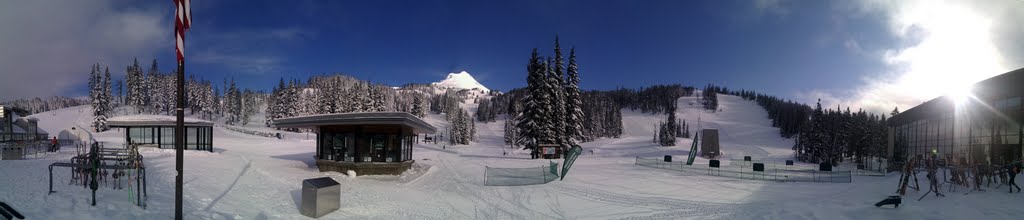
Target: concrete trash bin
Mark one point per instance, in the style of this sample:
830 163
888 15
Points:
12 153
320 196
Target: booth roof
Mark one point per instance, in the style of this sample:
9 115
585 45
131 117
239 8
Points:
357 118
153 120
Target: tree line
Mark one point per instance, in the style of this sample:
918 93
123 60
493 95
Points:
37 104
833 134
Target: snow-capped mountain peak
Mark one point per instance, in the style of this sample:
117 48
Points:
461 80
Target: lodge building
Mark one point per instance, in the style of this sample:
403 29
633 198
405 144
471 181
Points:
984 127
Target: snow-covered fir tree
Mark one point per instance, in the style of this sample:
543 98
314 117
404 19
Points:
417 107
535 123
668 129
101 99
573 102
557 89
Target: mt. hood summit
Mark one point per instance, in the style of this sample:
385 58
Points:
461 80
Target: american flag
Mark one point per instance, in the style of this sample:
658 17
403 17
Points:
183 21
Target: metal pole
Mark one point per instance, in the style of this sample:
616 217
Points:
179 139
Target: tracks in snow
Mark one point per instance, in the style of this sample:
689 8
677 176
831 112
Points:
664 208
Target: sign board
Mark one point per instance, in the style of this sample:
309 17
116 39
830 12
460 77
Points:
2 113
548 150
759 167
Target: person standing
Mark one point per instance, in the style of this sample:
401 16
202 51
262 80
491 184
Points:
53 145
1013 170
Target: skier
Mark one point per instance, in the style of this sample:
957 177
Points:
1013 169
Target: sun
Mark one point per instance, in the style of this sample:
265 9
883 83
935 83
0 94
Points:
960 95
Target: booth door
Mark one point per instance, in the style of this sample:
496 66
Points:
378 148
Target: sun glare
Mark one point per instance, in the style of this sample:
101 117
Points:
960 95
952 50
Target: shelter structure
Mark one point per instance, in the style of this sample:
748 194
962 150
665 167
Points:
364 142
14 128
158 130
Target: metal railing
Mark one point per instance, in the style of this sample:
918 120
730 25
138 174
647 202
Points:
254 132
27 148
745 170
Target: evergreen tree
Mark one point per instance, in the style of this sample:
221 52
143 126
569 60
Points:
92 87
667 131
155 91
120 92
101 101
551 131
574 102
417 106
531 122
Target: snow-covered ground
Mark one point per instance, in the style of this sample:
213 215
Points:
249 177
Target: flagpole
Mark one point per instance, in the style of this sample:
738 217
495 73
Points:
179 136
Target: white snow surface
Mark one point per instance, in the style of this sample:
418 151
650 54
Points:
460 80
248 177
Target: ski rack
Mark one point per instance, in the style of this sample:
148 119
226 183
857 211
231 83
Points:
90 162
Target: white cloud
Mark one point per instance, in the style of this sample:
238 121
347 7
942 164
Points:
248 51
771 7
947 46
240 63
47 46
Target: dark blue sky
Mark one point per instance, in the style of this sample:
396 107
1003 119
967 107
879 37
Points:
619 43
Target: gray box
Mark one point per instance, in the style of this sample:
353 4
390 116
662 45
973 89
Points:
709 143
12 153
320 196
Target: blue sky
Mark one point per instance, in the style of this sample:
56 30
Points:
619 43
860 53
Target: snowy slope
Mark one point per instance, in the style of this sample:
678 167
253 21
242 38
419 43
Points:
250 177
743 127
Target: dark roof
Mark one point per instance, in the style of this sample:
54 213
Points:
154 120
1002 86
358 118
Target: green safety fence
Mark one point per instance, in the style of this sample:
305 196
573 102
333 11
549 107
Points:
497 176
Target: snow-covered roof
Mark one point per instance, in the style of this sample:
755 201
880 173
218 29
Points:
153 120
461 80
358 118
17 130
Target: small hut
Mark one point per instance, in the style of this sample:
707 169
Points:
364 142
